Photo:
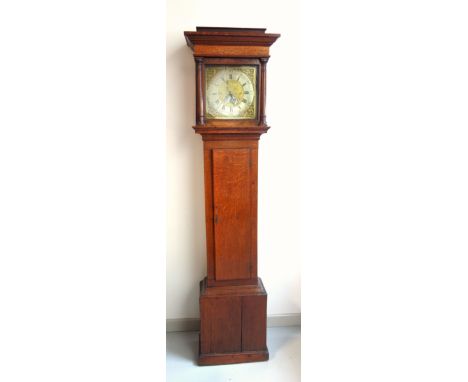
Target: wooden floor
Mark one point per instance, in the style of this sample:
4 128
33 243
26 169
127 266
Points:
284 345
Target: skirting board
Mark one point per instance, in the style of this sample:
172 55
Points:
193 324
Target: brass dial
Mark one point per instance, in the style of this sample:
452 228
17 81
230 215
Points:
230 92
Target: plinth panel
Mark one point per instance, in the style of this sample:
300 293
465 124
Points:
254 311
232 324
221 324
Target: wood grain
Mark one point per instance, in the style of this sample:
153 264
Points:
231 187
232 204
254 310
221 327
230 51
200 76
254 289
262 97
224 359
232 323
230 36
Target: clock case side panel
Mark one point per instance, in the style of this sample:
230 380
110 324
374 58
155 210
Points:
201 92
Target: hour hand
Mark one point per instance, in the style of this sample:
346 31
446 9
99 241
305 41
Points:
232 98
227 98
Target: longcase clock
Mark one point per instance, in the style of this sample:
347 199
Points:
230 116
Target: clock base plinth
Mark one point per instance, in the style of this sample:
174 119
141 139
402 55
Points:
229 358
232 324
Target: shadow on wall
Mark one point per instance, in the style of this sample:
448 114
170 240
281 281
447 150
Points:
187 149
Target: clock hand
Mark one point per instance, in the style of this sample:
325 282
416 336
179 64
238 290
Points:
230 97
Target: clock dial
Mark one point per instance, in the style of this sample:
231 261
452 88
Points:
230 92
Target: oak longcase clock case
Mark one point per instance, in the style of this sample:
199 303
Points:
230 116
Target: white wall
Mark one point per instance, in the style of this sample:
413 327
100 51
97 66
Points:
81 158
278 209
